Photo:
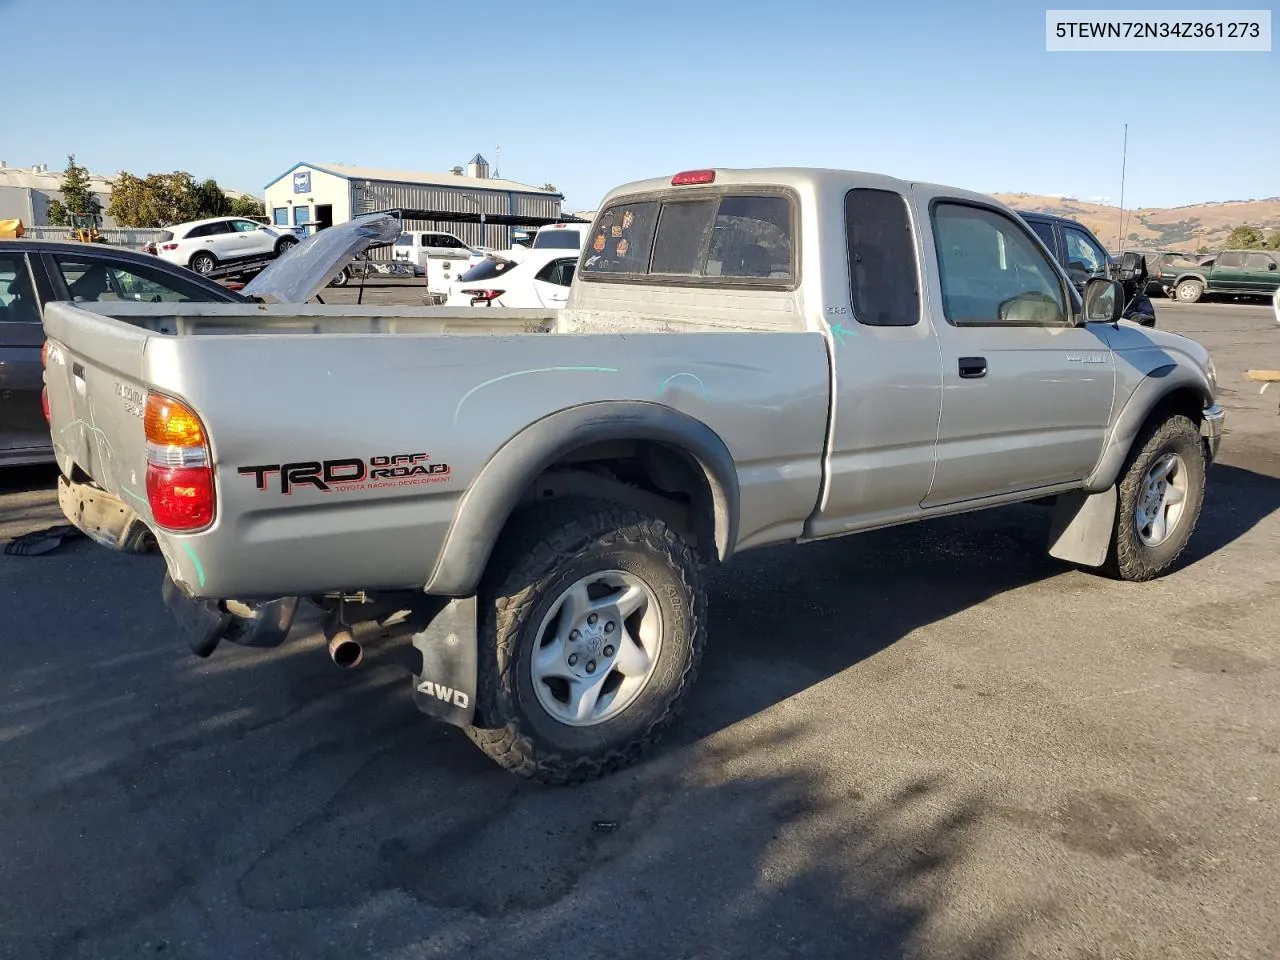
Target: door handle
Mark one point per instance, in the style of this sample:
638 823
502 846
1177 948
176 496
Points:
973 367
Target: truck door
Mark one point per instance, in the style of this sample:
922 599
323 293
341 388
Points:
886 373
1026 394
1228 274
22 423
1261 272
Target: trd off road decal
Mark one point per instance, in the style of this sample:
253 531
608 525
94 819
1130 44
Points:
349 473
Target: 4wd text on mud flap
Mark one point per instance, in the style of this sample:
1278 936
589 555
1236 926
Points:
350 472
447 694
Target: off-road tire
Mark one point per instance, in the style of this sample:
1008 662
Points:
1129 558
1189 291
203 257
545 549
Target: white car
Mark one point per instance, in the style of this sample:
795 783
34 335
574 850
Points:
541 278
206 245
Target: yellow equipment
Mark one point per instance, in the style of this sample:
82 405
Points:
84 227
11 229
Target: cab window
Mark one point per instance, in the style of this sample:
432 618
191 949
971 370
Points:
884 280
17 297
991 273
1081 249
729 236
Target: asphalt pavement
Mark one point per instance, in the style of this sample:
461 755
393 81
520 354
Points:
926 742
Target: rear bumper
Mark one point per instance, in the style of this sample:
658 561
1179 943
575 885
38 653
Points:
103 517
1211 429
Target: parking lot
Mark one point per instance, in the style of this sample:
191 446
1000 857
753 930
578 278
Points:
931 741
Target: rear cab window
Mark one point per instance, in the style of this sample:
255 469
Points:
546 239
732 236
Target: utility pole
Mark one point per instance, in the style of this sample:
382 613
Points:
1124 156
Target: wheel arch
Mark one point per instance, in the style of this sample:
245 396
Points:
547 458
1199 277
1171 388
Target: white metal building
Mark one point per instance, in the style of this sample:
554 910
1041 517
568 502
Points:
25 193
467 202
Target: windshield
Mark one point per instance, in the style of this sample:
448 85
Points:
557 240
487 269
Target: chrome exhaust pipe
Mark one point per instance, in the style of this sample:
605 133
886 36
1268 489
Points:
344 650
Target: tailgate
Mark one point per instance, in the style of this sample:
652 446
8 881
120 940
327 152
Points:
97 398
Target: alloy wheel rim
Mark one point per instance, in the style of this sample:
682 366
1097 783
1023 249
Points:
1161 500
596 648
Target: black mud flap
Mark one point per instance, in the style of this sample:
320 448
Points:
446 686
201 623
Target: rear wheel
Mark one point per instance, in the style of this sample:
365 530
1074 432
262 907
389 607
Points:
1160 495
341 279
592 626
1189 291
203 262
283 245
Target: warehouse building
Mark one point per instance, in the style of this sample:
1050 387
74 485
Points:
480 209
25 193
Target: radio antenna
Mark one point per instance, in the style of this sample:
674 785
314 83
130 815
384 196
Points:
1124 156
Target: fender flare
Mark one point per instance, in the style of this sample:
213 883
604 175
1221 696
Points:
1157 385
492 497
1190 275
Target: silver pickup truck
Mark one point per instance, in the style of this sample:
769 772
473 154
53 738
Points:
747 357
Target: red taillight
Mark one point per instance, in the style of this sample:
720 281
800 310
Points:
181 498
179 471
483 296
44 391
693 176
168 246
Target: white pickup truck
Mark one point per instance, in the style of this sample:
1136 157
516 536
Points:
747 357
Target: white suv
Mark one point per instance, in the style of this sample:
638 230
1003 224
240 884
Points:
205 245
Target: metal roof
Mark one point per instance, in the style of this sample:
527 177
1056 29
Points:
497 219
416 177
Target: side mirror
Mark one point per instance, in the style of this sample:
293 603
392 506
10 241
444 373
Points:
1103 300
1272 266
1132 266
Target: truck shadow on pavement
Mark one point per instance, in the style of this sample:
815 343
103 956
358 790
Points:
268 804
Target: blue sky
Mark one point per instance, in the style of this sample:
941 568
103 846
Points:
590 95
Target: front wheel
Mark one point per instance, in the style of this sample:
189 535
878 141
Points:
592 626
341 279
1189 291
1160 495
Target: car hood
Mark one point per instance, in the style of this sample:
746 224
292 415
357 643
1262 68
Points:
303 271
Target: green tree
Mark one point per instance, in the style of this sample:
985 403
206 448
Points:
1273 243
1244 237
209 200
550 188
77 191
247 207
56 214
157 200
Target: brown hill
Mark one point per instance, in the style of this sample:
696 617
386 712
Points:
1185 229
